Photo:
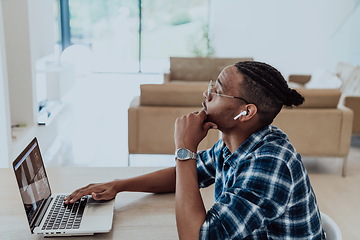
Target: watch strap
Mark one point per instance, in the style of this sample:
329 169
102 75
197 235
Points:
184 154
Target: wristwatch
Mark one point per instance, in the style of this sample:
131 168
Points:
184 154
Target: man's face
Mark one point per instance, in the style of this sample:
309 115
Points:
222 110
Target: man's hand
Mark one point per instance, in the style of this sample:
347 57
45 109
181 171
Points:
161 181
191 129
189 207
99 191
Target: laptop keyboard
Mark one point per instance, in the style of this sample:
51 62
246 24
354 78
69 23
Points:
65 216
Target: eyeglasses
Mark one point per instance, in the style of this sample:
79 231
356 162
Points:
211 87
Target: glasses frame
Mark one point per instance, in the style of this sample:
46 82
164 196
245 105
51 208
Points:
209 92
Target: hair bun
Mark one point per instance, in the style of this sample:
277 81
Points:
294 98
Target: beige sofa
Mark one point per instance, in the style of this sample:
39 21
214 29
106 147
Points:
318 128
153 113
349 76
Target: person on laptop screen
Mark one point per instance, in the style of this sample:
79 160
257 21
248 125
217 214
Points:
262 190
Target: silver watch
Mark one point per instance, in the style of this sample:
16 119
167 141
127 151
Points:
184 154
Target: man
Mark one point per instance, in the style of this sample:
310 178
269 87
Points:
262 190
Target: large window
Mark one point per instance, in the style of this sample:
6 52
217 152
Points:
136 35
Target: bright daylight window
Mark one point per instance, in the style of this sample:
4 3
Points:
139 35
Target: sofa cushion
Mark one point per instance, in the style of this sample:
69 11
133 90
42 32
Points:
324 78
351 86
344 70
199 69
175 94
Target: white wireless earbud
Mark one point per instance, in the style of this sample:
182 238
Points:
243 113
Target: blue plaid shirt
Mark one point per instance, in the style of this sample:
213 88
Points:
262 190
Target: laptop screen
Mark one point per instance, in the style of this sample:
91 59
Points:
32 180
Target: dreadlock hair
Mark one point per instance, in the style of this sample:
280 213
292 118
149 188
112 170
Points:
265 87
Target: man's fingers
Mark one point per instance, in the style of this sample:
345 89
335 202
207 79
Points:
74 197
210 125
203 113
77 194
71 196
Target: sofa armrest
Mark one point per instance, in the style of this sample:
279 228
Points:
353 102
346 130
133 123
151 129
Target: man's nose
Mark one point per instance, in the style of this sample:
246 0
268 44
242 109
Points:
206 95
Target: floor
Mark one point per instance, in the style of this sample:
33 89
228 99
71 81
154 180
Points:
93 132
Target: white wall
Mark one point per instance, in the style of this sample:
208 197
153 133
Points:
41 25
19 63
29 35
26 35
298 36
4 103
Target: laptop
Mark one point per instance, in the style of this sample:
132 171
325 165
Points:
46 212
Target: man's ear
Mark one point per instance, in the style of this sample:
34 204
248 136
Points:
251 111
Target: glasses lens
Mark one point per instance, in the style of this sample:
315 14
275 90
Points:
209 89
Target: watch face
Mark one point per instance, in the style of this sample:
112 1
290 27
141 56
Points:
182 153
